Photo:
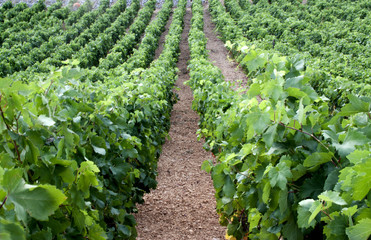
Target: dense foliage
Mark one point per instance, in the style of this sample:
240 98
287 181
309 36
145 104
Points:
20 18
30 60
86 109
89 55
332 36
287 165
78 154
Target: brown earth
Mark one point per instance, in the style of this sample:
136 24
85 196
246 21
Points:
183 205
220 56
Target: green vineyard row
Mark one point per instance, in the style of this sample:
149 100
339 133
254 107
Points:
77 154
288 166
333 38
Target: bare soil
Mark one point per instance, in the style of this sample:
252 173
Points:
161 42
220 56
183 205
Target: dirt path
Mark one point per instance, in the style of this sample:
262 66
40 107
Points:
161 42
219 55
183 205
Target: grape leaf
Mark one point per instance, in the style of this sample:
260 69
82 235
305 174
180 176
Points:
335 229
270 135
317 158
278 175
312 187
352 139
258 120
46 121
291 231
99 145
362 181
97 232
315 209
40 202
355 105
331 180
304 213
11 230
229 188
358 155
360 231
332 196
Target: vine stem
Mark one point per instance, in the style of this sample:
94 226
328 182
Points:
47 90
328 215
9 129
314 137
369 115
2 204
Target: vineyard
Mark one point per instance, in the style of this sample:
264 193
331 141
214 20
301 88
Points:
87 98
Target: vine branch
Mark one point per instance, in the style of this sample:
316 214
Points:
48 89
2 204
328 215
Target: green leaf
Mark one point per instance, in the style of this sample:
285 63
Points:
33 152
335 229
355 105
124 230
96 232
254 218
258 120
291 231
278 175
40 202
312 187
253 62
332 196
331 180
358 155
87 177
360 231
6 161
43 235
46 121
11 230
300 114
218 179
294 82
266 192
283 201
304 213
207 166
254 90
12 180
317 158
296 92
99 145
349 211
362 181
270 134
229 188
352 139
315 209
